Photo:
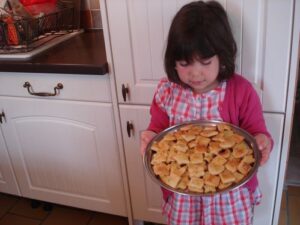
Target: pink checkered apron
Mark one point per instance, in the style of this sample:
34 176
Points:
234 207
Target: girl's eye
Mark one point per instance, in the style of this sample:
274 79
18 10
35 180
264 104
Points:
206 62
183 63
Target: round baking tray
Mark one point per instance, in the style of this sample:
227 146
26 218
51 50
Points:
249 139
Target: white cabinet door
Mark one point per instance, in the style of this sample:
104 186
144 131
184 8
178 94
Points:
8 182
145 195
268 174
65 152
138 31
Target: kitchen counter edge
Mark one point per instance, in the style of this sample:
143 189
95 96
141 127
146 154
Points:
82 54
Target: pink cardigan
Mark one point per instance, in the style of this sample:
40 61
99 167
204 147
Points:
241 107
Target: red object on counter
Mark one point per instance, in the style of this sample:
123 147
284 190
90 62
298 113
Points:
33 2
11 32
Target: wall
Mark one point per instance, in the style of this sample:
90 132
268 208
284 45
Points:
90 17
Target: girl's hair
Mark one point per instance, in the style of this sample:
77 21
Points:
200 29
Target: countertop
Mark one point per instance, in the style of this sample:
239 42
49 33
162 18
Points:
82 54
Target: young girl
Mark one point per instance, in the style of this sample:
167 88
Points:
201 84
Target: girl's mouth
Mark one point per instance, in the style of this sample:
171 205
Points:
197 83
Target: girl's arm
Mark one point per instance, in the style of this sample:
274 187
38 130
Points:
252 120
159 121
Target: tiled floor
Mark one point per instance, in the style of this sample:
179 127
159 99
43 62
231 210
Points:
290 205
18 211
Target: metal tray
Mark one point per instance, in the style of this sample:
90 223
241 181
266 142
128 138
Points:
249 139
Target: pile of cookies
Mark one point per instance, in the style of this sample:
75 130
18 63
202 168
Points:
202 159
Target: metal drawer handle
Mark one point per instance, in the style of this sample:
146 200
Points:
2 117
129 129
125 92
44 94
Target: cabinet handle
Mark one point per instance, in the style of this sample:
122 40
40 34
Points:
2 117
125 92
129 129
43 94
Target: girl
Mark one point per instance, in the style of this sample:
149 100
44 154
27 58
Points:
201 84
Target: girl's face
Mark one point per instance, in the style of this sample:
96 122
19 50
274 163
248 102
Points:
201 74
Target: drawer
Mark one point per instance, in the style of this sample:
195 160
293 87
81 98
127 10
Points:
75 87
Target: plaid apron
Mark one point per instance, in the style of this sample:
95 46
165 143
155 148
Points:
234 207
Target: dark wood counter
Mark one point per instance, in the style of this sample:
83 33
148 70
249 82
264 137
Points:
82 54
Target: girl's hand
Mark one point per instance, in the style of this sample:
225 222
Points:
146 137
264 145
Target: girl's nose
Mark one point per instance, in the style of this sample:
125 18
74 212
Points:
197 69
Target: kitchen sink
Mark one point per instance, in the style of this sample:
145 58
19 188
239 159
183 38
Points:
38 46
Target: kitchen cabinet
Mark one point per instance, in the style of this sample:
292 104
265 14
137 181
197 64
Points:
63 148
138 31
268 174
146 197
146 201
135 34
291 115
8 182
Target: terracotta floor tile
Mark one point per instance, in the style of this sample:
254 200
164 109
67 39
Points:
23 208
61 215
294 190
6 202
282 217
283 200
10 219
293 210
106 219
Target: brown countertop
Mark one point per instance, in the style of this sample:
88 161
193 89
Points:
82 54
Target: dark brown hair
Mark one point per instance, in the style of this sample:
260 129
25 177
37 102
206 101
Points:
200 29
